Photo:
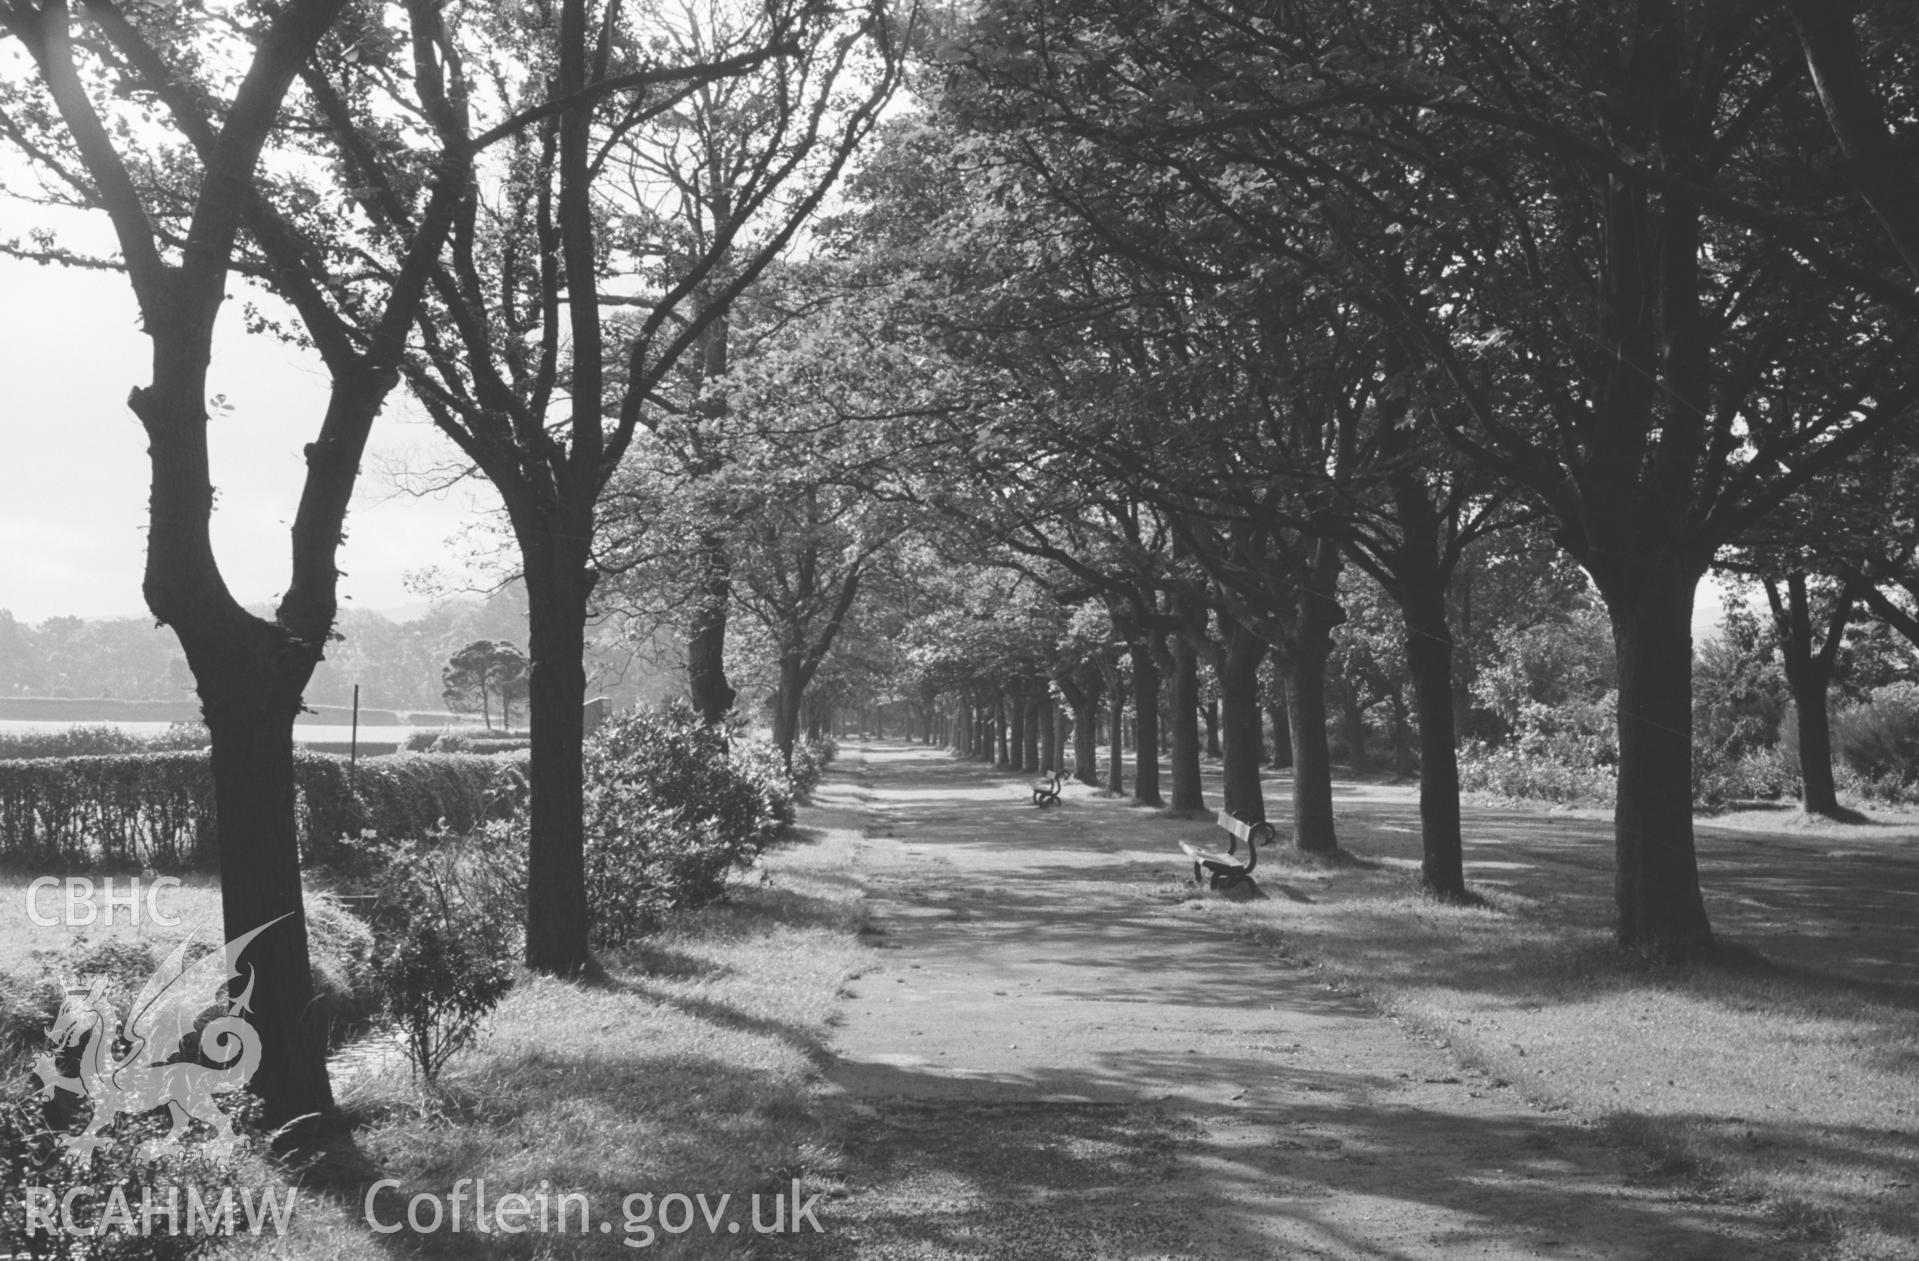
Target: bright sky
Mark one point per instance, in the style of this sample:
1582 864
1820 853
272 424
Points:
74 474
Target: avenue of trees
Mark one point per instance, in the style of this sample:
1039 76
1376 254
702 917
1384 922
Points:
1100 385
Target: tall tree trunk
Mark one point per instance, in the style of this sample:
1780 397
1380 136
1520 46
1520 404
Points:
1016 741
1002 751
1809 669
1238 669
1282 723
1188 795
1116 732
706 681
558 584
1429 659
1049 739
1086 741
1146 724
1661 912
1085 703
249 699
1818 791
1404 763
1353 719
1313 618
786 704
1313 829
1035 714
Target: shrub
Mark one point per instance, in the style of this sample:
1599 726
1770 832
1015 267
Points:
483 869
441 964
760 762
1514 772
1766 773
670 811
439 982
811 757
133 1171
1878 740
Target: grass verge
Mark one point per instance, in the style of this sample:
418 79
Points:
686 1070
1741 1075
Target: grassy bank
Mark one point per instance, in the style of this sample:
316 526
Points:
1781 1072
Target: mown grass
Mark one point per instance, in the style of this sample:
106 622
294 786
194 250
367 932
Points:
686 1068
25 946
1743 1075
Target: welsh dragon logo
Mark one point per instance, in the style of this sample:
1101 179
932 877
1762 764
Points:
146 1075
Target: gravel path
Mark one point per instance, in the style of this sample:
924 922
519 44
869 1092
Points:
1059 1053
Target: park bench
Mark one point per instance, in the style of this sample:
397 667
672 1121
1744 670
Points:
1229 870
1046 792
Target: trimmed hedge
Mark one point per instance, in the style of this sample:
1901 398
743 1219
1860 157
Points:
155 810
466 740
85 741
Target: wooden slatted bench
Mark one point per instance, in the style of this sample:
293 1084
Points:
1046 792
1230 870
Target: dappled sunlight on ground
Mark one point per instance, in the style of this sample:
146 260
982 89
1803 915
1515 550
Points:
1060 1050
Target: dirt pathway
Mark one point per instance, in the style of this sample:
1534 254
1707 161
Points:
1057 1054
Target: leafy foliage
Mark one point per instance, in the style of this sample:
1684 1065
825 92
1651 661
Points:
1878 739
442 963
671 811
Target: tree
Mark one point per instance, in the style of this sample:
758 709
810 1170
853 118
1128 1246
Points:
178 221
21 670
566 299
1552 204
481 671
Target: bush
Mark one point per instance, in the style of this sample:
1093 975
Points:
441 965
760 762
1513 772
1767 773
811 757
134 1170
670 811
439 982
1878 740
